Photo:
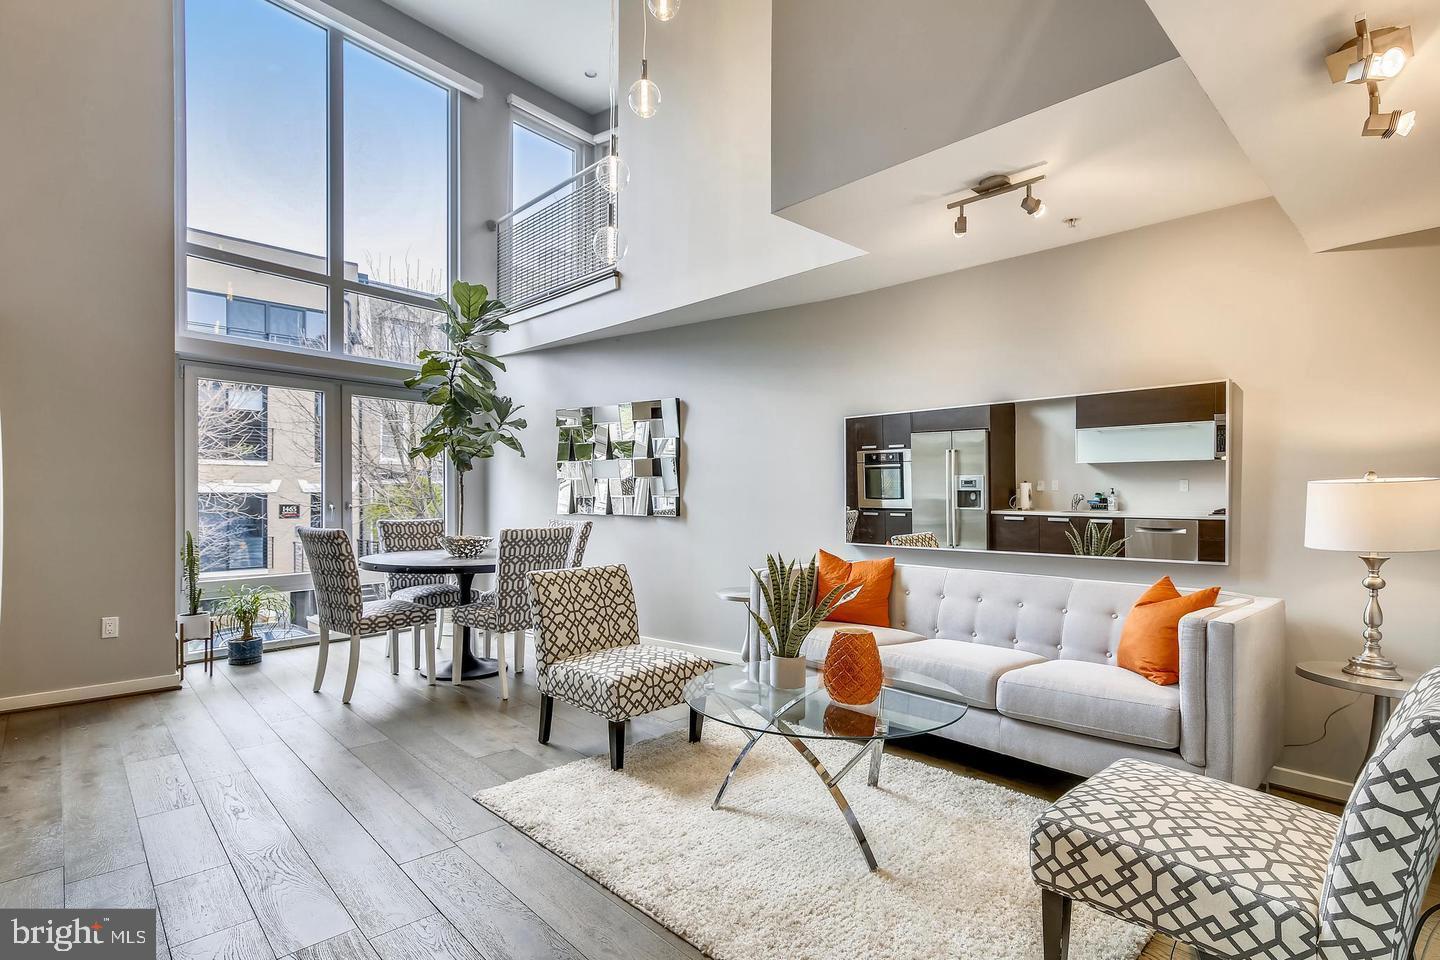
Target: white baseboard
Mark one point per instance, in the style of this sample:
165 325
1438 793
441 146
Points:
1311 783
714 654
98 691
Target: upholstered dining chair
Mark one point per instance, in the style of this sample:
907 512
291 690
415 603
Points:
437 591
344 610
506 609
588 653
580 539
1242 874
925 539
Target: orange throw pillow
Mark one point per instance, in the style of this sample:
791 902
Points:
872 606
1150 639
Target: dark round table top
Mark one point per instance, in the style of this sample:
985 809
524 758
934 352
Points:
428 561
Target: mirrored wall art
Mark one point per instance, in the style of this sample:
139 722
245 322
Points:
622 459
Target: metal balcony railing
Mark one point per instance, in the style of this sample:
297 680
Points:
545 247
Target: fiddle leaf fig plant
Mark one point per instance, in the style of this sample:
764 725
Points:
788 591
471 416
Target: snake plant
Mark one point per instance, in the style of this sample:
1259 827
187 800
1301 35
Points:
1095 541
789 591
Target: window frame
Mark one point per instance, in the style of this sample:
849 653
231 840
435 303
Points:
523 117
333 360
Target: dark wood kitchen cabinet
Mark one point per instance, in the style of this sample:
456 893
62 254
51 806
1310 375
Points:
871 527
952 418
1012 532
896 523
1052 532
1200 401
866 432
895 431
1211 546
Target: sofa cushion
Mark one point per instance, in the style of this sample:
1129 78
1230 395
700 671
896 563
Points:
971 668
818 643
1094 699
871 607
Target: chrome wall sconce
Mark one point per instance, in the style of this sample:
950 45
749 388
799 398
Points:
993 187
1369 58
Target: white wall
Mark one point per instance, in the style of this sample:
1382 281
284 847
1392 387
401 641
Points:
1333 384
1045 450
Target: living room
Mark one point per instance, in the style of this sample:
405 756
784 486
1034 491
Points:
789 258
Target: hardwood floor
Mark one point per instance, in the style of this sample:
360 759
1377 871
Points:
266 821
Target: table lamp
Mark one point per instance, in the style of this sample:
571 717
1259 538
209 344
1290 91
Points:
1374 517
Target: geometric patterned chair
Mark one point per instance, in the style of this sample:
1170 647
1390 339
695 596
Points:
343 609
577 545
925 539
506 609
588 653
434 590
1236 873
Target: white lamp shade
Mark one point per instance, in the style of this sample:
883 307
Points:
1374 515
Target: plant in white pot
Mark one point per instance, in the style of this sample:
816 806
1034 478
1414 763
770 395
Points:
196 625
791 612
471 417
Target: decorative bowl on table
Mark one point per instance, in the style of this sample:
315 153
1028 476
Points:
467 548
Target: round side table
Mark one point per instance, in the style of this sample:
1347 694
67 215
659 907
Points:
739 595
1385 692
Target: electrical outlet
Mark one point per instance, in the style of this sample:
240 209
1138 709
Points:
1039 486
109 627
1055 485
1184 486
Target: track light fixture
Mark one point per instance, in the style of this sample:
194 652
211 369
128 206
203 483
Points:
1371 57
994 187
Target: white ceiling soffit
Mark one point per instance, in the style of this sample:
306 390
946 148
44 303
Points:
1262 64
1141 150
551 43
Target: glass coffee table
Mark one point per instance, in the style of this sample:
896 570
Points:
739 696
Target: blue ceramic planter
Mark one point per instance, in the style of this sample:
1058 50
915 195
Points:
243 652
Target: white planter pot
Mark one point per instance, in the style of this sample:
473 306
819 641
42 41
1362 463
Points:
196 626
787 673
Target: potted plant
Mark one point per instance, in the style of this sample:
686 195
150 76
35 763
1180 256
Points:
788 591
471 417
241 609
196 625
1095 541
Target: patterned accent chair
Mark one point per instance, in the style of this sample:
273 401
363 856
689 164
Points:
852 520
588 653
506 609
344 610
582 537
926 539
434 590
1242 874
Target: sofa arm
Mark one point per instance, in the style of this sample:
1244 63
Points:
1232 696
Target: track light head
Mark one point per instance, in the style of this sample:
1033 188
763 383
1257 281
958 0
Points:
961 224
1387 124
1032 205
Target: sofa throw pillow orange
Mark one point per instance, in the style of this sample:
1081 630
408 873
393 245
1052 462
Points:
1150 638
872 606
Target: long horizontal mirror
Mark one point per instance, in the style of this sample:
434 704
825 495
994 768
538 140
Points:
1131 474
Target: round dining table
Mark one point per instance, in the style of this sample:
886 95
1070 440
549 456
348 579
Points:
464 570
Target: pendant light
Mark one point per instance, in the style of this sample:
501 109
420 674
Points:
664 10
644 94
612 173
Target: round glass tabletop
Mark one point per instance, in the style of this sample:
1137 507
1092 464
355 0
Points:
741 696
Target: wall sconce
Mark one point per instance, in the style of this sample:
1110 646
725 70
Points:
1369 58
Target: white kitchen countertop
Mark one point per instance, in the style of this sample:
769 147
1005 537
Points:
1107 514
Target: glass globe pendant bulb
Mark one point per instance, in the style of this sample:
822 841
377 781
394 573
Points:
664 10
612 174
610 245
644 94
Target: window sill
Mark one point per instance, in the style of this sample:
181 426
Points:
222 350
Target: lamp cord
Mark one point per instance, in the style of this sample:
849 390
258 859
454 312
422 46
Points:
1325 727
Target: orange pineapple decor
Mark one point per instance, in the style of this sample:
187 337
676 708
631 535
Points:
852 669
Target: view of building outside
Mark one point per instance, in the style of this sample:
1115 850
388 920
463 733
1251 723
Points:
386 482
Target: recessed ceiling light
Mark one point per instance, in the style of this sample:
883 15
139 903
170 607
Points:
591 74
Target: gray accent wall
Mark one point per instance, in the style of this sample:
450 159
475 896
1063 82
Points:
1331 383
861 86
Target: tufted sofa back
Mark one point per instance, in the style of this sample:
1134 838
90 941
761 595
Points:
1053 617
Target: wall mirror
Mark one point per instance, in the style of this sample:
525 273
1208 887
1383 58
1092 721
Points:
621 459
1129 474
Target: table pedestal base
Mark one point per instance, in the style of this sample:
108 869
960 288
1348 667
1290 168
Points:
471 667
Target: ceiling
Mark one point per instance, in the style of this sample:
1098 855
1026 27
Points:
551 43
1262 64
1138 151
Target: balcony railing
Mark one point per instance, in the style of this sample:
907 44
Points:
545 247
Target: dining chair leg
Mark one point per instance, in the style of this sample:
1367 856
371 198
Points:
547 713
488 653
394 645
354 668
519 652
439 627
324 649
617 744
500 659
415 645
430 657
457 647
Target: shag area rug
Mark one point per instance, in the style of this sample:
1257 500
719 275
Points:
775 873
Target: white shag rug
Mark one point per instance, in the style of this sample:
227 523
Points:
775 874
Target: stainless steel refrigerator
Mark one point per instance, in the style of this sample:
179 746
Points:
950 486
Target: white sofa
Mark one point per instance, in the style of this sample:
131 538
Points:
1034 657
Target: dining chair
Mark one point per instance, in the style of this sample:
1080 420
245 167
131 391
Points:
434 590
588 653
506 609
344 610
581 538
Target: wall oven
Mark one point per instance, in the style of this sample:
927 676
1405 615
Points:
882 479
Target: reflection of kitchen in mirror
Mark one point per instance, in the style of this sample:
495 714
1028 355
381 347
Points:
1132 474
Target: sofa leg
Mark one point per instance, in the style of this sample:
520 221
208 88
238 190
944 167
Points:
547 712
697 722
617 744
1055 918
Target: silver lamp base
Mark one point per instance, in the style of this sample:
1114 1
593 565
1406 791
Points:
1371 663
